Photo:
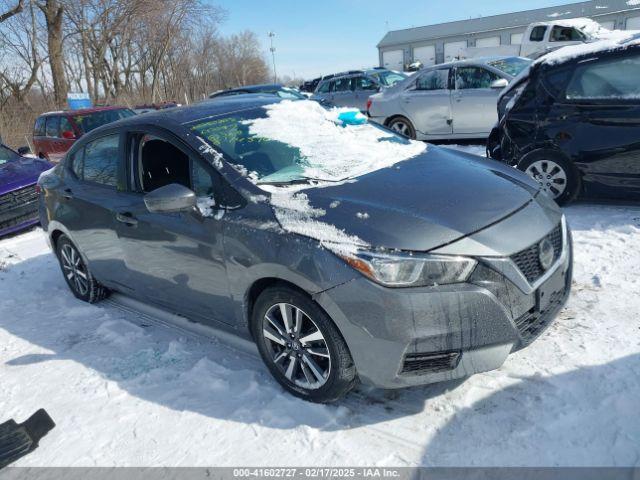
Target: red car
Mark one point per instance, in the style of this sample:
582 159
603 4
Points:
55 132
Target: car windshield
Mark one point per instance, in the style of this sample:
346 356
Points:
289 142
389 78
91 121
290 94
512 66
7 155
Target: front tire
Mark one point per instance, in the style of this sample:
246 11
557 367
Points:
301 346
76 273
556 175
403 127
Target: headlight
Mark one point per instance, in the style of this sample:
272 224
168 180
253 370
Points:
407 270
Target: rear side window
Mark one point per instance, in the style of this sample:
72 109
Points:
609 79
537 34
100 163
433 80
342 85
39 128
474 77
65 127
52 126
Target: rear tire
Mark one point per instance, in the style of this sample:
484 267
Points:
556 175
403 126
304 351
82 283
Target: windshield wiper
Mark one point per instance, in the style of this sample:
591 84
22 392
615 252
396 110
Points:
300 181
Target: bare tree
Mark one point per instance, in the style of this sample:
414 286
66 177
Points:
53 13
13 11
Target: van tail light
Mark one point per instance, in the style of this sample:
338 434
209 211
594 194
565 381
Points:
369 102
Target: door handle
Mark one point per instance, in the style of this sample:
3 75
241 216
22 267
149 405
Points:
68 194
126 218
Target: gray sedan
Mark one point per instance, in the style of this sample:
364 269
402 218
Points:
345 251
448 101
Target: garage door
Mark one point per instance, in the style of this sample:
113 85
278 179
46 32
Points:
488 42
516 38
426 55
453 50
608 25
633 23
393 59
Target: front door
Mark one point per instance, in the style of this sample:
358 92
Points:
175 260
474 102
364 88
427 103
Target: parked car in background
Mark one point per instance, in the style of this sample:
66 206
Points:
447 101
18 197
353 88
150 107
541 38
236 213
55 132
267 89
572 121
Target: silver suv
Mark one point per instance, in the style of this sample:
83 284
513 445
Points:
353 88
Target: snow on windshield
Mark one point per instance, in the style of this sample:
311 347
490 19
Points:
331 150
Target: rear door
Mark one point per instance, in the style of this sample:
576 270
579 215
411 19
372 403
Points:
364 88
88 200
474 102
602 106
343 94
427 103
176 260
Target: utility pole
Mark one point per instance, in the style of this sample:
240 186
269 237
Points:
273 56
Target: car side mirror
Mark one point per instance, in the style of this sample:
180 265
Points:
500 83
24 151
170 198
68 134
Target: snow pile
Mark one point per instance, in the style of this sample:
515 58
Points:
330 150
296 215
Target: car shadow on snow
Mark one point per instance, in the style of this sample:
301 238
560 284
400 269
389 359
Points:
159 365
588 416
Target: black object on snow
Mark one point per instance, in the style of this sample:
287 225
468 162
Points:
19 439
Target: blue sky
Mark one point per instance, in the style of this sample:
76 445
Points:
326 36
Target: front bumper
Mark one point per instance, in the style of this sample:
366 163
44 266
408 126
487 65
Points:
18 210
414 336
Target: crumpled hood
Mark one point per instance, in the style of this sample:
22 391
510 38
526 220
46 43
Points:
425 202
24 171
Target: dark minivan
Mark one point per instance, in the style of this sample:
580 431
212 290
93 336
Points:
572 121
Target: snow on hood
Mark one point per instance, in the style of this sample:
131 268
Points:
296 215
611 40
332 151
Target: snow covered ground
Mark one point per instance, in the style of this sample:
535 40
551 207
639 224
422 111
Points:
126 390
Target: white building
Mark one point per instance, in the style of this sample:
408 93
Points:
443 42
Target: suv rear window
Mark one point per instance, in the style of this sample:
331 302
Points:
38 128
52 126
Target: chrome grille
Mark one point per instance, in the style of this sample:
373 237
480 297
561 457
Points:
18 197
528 260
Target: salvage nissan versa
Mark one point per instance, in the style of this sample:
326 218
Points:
345 251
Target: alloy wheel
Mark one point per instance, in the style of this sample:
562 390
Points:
74 269
297 346
401 127
551 176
